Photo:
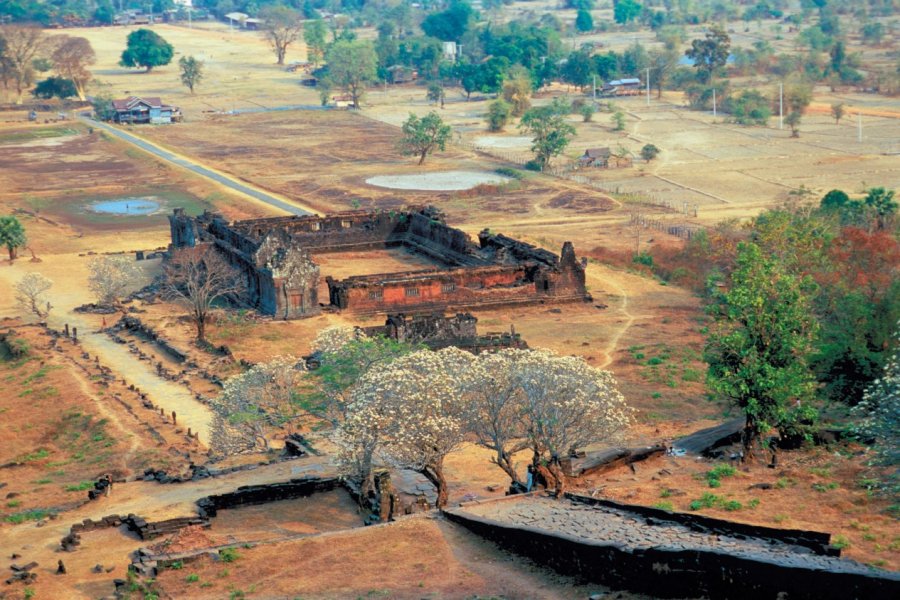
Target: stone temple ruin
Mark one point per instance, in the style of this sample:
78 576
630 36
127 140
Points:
276 255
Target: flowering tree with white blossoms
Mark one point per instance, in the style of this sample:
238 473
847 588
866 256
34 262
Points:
255 403
880 411
110 277
332 339
568 404
409 412
495 411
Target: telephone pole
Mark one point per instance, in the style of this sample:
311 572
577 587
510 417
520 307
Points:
648 86
781 105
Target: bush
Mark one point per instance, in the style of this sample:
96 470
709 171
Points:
649 152
498 115
509 172
228 555
644 258
714 475
533 165
748 108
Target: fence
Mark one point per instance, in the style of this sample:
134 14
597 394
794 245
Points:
683 230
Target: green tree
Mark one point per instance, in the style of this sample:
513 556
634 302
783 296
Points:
710 53
625 11
351 67
872 33
422 136
584 22
146 48
281 26
618 120
517 92
649 152
759 347
12 235
436 93
880 412
550 130
315 35
499 112
103 108
881 201
587 112
55 87
191 71
834 200
451 24
837 111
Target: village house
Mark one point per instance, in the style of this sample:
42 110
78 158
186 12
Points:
622 87
595 157
144 110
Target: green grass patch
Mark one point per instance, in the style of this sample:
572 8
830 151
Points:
192 578
36 514
664 506
37 134
80 487
840 542
38 454
228 555
825 487
715 475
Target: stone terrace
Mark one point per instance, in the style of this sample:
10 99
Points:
636 532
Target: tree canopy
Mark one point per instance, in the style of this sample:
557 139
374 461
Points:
550 130
12 235
422 136
147 49
710 53
351 66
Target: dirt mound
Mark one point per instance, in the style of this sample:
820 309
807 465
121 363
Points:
581 202
190 538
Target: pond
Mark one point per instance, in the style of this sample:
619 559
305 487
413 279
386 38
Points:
439 181
136 206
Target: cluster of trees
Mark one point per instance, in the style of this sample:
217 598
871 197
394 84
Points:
811 296
27 52
393 404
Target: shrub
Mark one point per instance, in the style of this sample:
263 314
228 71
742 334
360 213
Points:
533 165
707 500
649 152
840 542
664 506
714 475
509 172
192 578
732 505
644 258
228 555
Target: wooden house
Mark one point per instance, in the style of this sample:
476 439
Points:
595 157
144 110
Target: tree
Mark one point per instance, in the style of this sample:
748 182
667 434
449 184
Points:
551 133
55 87
587 112
584 22
71 59
411 411
662 64
880 412
315 35
517 92
422 136
103 107
451 24
344 355
568 404
872 33
759 347
618 120
12 235
834 200
110 277
191 71
710 53
199 277
793 120
649 152
436 93
625 11
146 48
837 111
351 66
281 26
882 203
498 115
30 294
21 45
254 404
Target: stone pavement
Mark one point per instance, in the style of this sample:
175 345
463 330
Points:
635 532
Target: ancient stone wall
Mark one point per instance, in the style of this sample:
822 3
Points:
275 256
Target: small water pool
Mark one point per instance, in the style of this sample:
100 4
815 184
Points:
127 206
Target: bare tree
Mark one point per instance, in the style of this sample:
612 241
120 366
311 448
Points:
24 44
71 59
199 277
110 277
31 294
282 27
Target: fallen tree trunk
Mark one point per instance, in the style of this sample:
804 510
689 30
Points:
611 458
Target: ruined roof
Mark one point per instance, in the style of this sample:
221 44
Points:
597 153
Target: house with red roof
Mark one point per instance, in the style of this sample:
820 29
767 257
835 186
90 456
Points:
144 110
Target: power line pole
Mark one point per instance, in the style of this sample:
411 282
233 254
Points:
595 87
859 126
648 86
781 105
714 102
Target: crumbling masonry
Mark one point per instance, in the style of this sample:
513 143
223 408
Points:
276 257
